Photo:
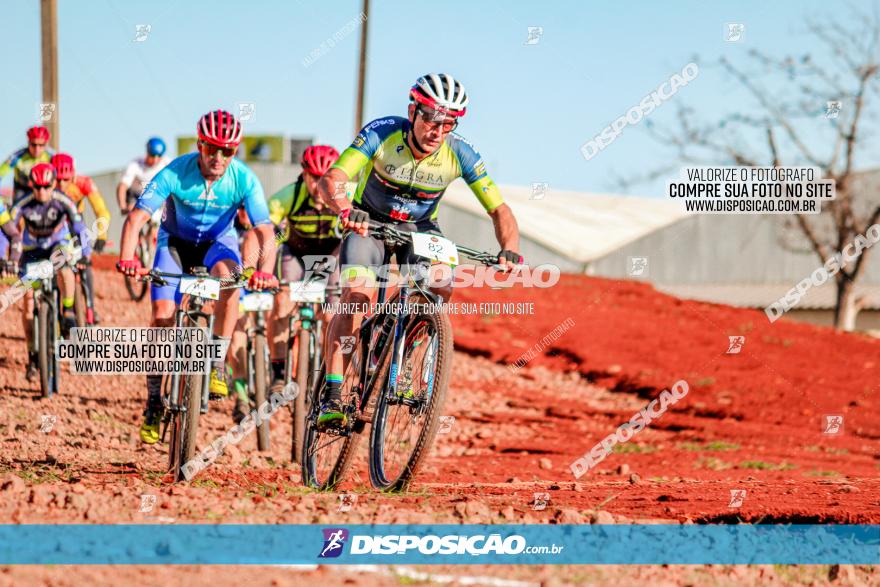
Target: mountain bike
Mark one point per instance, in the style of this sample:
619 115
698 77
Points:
185 395
47 322
396 377
306 331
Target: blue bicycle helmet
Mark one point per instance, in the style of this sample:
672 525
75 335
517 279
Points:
155 147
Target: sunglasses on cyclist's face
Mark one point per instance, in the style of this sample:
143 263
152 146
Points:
211 150
37 145
43 187
434 119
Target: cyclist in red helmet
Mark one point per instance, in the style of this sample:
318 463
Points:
21 161
311 234
201 194
79 188
48 219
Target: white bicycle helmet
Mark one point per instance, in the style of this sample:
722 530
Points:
441 92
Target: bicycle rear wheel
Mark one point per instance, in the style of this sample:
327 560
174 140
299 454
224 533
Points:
404 426
327 457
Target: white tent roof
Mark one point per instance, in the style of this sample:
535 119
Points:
580 226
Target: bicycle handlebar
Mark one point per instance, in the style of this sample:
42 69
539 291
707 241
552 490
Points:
388 232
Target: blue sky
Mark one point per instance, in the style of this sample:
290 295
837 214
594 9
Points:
532 106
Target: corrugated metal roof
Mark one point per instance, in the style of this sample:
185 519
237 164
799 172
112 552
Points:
760 296
580 226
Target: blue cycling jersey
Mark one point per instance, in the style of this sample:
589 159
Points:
196 214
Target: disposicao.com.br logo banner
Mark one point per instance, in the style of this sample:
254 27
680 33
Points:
434 544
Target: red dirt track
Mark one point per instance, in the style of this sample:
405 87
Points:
750 421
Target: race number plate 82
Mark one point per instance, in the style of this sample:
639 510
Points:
435 247
200 287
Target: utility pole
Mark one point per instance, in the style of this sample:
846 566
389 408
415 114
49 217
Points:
49 39
362 69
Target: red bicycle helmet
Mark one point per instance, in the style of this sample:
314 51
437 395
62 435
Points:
42 174
63 164
38 133
219 128
317 159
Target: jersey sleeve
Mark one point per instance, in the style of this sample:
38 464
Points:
473 172
281 202
89 188
365 145
156 192
130 173
254 199
75 219
9 164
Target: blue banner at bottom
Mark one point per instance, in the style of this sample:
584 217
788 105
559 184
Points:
438 544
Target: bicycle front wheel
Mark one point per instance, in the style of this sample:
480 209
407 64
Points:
138 289
405 423
261 383
299 404
46 351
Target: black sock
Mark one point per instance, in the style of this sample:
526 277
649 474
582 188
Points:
154 392
333 391
277 369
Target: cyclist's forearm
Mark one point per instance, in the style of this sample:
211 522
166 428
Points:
329 192
267 246
506 228
131 230
121 190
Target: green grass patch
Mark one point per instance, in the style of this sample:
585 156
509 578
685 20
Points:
712 463
817 473
632 447
763 466
704 381
708 446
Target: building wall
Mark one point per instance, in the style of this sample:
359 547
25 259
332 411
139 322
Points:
723 249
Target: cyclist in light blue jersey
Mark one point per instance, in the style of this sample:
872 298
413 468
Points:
201 193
